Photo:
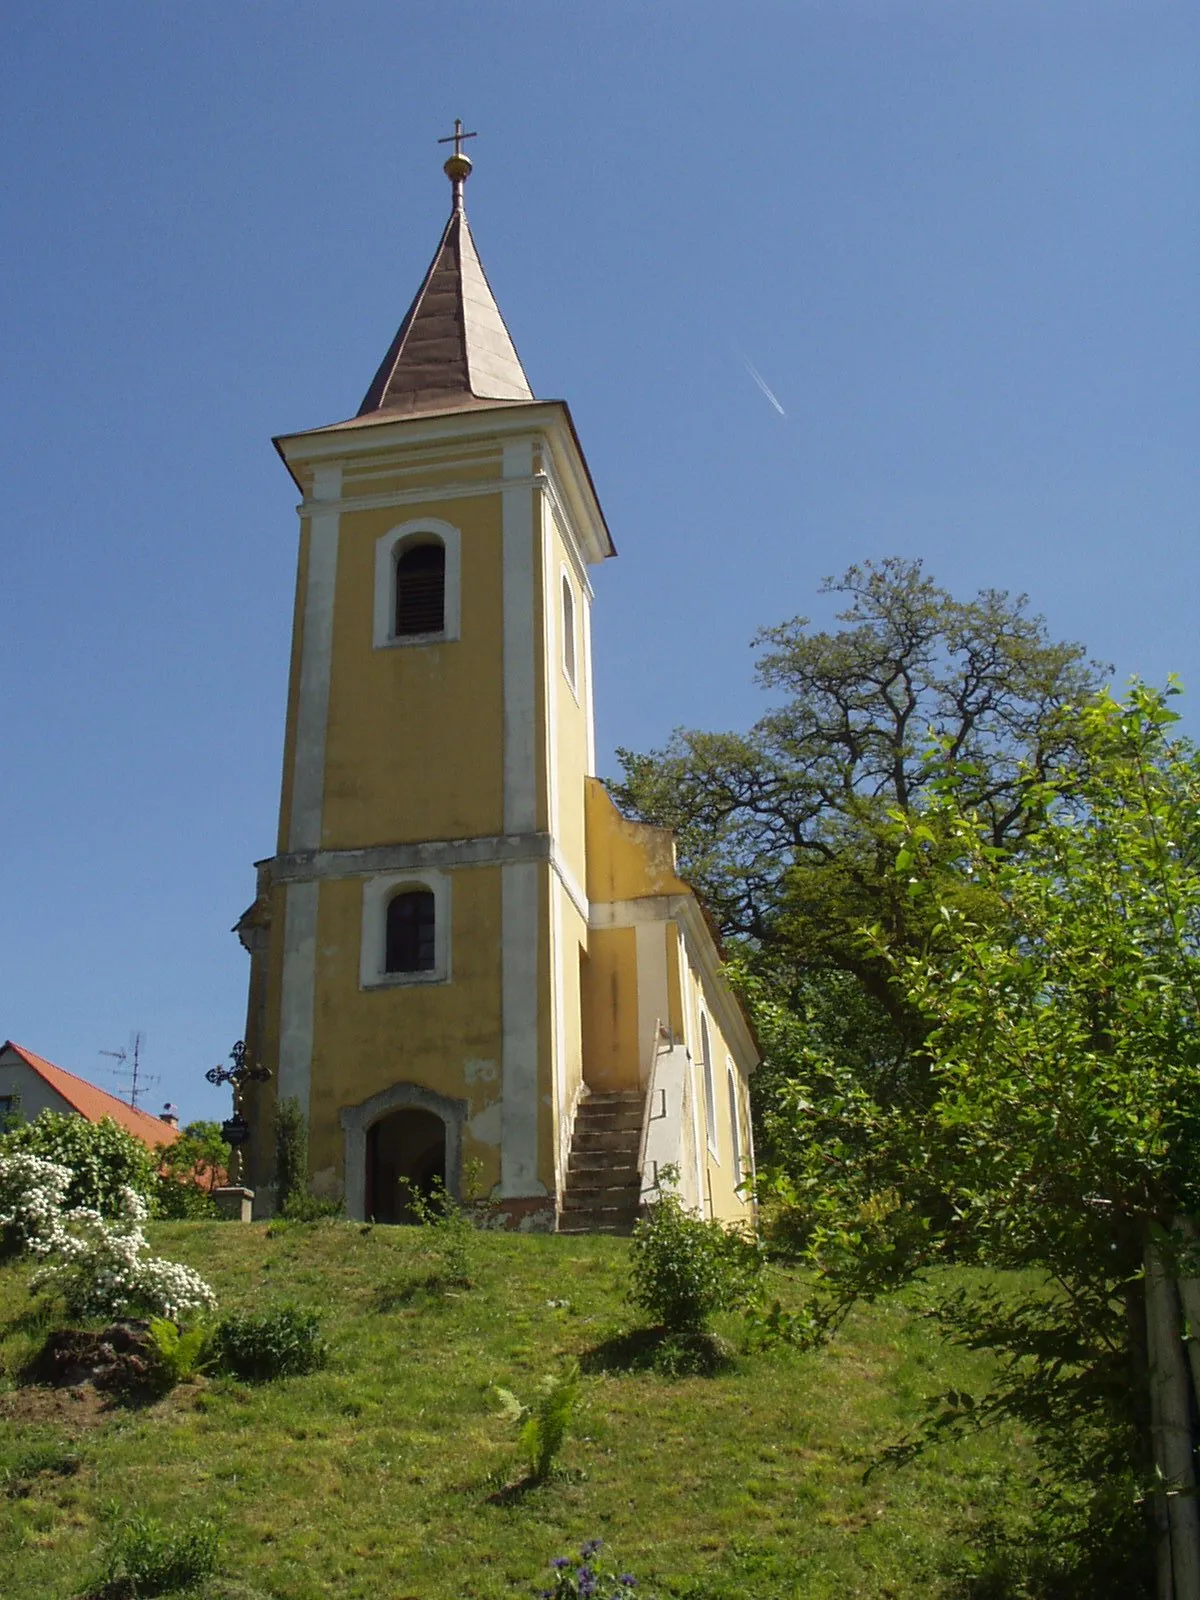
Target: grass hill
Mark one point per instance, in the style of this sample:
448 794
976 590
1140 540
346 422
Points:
390 1474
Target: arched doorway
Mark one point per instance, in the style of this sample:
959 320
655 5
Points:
405 1148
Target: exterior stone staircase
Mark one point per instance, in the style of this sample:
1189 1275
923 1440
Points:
603 1183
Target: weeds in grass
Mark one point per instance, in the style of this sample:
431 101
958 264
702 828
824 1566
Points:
148 1557
449 1229
585 1578
35 1459
545 1423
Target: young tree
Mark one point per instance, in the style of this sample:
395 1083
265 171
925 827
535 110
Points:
1063 1131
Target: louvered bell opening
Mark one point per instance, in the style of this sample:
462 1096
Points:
410 932
421 590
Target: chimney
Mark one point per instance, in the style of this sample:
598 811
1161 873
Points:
170 1115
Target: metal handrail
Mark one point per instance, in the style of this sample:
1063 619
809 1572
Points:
649 1115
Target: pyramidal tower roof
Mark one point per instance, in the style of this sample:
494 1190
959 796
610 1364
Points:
452 351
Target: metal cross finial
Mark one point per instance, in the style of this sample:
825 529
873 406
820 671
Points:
456 138
458 166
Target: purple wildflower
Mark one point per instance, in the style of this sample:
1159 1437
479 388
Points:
561 1562
590 1548
628 1579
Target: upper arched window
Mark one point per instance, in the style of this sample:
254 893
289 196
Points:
710 1092
568 624
411 946
420 589
735 1126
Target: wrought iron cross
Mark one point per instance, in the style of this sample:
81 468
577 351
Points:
456 138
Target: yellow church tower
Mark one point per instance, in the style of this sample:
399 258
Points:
462 957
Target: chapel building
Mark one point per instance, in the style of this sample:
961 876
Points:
464 962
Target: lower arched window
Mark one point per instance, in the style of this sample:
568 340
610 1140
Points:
410 937
420 589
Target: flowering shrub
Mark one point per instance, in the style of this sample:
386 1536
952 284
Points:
587 1579
101 1158
97 1263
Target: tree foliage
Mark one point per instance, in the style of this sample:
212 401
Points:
1063 1128
103 1158
784 830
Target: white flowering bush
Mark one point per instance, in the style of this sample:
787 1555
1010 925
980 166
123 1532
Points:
98 1264
33 1192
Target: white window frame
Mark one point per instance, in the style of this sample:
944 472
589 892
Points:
377 896
710 1086
735 1123
388 549
569 627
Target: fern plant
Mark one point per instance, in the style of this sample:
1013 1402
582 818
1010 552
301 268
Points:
178 1356
544 1424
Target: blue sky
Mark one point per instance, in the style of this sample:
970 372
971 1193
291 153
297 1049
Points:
959 241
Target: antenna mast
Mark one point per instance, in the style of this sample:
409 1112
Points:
131 1077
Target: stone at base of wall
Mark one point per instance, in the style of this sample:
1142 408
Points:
234 1203
521 1214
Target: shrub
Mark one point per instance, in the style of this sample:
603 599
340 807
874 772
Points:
685 1269
545 1423
308 1208
272 1344
291 1155
101 1157
179 1200
148 1557
448 1228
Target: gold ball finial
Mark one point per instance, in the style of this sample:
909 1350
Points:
457 168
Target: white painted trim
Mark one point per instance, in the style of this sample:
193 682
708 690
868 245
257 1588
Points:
559 1031
387 552
589 703
548 656
652 992
377 895
316 659
298 992
569 882
689 1032
519 668
519 1043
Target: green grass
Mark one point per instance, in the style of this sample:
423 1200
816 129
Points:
382 1476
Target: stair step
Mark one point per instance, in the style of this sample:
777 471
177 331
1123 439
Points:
605 1139
582 1163
617 1197
609 1121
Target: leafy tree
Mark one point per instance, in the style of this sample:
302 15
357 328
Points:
200 1155
784 831
1062 1133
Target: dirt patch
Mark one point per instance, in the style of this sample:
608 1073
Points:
118 1359
84 1407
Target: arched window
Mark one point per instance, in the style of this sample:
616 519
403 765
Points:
568 626
410 932
420 589
735 1126
710 1092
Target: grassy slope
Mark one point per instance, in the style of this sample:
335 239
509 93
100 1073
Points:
375 1477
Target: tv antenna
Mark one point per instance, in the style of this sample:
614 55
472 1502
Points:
129 1069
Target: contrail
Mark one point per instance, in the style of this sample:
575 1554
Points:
762 383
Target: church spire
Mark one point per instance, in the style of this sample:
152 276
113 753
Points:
452 351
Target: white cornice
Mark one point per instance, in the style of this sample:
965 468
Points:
548 421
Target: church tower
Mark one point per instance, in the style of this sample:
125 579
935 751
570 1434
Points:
421 982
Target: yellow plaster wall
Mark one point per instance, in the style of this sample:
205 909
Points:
444 1036
414 741
610 1010
625 860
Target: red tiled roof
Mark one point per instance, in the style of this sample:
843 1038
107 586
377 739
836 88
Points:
94 1103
